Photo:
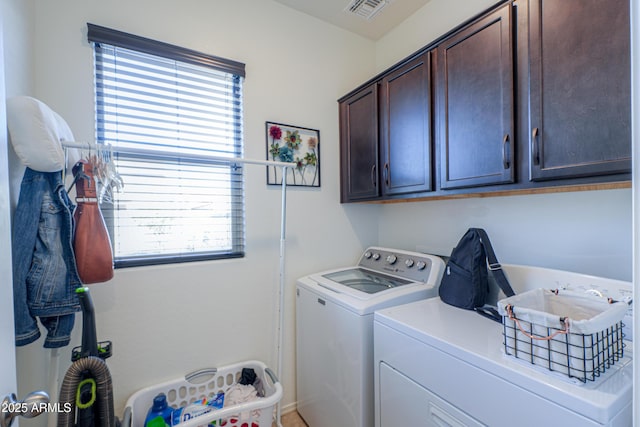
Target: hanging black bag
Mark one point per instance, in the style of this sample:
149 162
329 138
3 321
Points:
465 282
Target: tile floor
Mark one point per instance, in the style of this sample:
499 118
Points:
292 419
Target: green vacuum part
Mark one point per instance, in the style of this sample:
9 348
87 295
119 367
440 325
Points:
80 394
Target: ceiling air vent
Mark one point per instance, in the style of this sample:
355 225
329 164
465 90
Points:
366 9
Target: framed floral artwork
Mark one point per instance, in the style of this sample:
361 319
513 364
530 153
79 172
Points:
286 143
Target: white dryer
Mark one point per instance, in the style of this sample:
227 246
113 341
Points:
334 330
438 365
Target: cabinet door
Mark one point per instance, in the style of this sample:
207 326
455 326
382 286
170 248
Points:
405 112
579 71
475 104
359 145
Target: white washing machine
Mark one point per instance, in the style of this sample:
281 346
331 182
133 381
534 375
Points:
438 365
334 330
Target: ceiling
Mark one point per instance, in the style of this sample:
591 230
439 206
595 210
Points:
334 12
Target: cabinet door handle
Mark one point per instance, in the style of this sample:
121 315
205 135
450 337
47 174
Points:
505 158
386 174
374 181
534 146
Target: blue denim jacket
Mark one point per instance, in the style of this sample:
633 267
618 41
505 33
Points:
44 269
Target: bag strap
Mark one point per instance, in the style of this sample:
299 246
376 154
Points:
494 265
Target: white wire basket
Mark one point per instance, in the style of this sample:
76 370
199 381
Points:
576 334
207 383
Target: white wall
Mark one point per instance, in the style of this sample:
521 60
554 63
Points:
17 18
166 321
588 232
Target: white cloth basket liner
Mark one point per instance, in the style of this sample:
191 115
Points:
594 341
207 383
587 313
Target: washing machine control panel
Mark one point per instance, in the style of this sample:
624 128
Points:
414 266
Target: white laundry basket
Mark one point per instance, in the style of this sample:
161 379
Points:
208 383
577 334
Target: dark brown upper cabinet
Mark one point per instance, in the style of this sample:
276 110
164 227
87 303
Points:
528 95
475 103
359 145
579 96
405 128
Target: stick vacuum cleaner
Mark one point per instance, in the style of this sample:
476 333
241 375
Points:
87 383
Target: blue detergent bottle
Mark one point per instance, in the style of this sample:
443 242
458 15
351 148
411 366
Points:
160 408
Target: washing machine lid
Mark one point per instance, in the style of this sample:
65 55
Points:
362 303
383 277
365 280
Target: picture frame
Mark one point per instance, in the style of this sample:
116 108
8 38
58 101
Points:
288 143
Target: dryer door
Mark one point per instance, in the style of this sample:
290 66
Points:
403 402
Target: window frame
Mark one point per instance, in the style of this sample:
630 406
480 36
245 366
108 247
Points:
97 35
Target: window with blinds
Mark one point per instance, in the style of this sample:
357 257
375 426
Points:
170 114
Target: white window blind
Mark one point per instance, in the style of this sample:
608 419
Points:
164 118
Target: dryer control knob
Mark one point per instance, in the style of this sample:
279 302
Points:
376 256
391 259
421 265
367 255
409 262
